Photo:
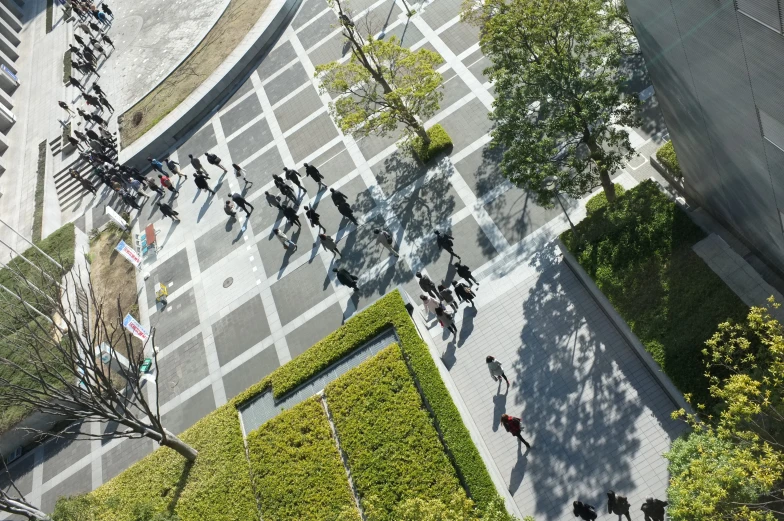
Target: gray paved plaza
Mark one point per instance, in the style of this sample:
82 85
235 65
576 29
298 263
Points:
240 306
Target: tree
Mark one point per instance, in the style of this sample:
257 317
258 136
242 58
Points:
64 361
382 85
559 101
620 26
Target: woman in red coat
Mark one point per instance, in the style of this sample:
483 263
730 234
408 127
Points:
515 426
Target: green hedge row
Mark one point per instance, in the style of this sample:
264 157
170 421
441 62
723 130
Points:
297 469
392 448
667 157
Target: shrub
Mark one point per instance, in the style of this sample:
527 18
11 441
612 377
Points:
666 156
297 469
67 66
393 451
439 142
599 201
639 253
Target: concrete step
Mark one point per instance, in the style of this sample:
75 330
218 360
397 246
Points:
14 21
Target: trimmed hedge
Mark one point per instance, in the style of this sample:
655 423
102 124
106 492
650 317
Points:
439 142
392 448
216 487
599 201
390 311
639 253
297 469
667 157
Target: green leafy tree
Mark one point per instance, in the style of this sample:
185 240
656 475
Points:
382 85
556 70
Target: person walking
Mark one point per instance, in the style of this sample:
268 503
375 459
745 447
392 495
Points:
165 181
273 200
138 187
76 83
314 218
313 172
94 27
329 244
108 40
240 172
284 240
129 199
174 167
346 211
653 509
446 320
65 107
105 102
86 184
103 19
92 69
241 202
196 164
447 296
338 196
154 186
427 285
201 183
76 143
294 177
169 212
430 304
215 161
464 292
584 511
228 208
514 426
156 165
496 370
285 189
98 90
385 239
290 213
618 505
445 242
465 272
105 9
346 278
79 40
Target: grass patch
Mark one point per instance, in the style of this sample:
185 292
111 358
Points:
40 178
439 142
666 156
297 469
638 251
392 448
49 15
235 22
67 65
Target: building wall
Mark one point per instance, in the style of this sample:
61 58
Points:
718 70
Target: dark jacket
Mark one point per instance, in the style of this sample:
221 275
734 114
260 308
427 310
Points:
346 278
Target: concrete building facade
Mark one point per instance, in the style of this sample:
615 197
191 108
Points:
718 70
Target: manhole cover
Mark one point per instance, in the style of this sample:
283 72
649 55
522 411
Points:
228 282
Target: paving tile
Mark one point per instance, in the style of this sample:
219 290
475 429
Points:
260 170
311 137
370 146
274 257
407 34
318 29
471 243
460 37
358 197
300 290
240 329
250 372
477 63
481 170
276 60
307 11
174 272
61 453
376 20
467 124
182 368
239 116
21 473
244 88
178 317
427 207
265 215
200 142
454 90
285 83
333 164
439 13
119 458
78 483
298 108
331 50
190 411
250 141
397 171
215 244
318 327
517 215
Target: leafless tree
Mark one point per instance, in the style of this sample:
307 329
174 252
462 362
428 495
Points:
73 360
14 502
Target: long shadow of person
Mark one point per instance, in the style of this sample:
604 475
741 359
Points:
518 471
499 407
449 357
467 327
173 226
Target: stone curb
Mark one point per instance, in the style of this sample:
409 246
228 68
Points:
623 328
163 137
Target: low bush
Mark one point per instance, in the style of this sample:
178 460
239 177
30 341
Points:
639 253
666 156
393 451
40 186
67 65
440 142
599 201
297 469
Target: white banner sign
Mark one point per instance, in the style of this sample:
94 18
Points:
129 253
135 328
116 217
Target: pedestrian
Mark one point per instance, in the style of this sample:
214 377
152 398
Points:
91 68
156 165
284 240
293 176
515 427
313 172
90 133
216 161
427 285
81 136
103 19
346 211
82 113
174 167
75 51
446 320
284 188
273 200
337 196
76 83
329 244
496 370
138 188
105 9
290 213
79 40
346 278
618 505
653 509
430 304
169 212
75 142
98 119
102 99
446 296
108 40
98 47
241 202
228 207
129 199
445 242
201 183
465 272
94 27
464 292
584 511
196 164
65 107
86 184
154 186
315 219
240 172
165 181
385 239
